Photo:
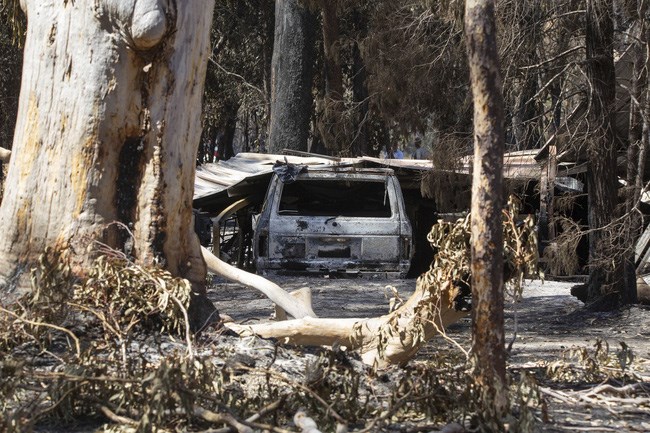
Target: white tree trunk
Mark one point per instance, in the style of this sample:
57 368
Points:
107 130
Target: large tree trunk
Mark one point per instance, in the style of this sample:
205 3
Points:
634 156
107 130
291 76
606 284
488 345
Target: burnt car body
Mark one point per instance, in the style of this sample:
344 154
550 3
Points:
334 220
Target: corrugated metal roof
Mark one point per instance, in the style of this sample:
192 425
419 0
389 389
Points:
219 177
516 165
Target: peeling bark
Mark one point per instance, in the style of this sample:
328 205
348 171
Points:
107 125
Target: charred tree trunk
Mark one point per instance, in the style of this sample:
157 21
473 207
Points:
332 127
107 131
229 129
291 76
606 286
645 130
333 73
212 143
634 157
488 341
246 145
525 114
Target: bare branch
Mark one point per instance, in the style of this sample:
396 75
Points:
274 292
5 154
559 56
243 80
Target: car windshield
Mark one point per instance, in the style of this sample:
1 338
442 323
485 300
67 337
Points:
336 197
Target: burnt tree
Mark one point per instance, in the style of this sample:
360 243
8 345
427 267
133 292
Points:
606 286
106 133
488 341
291 76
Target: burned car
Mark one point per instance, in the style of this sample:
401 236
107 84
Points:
334 220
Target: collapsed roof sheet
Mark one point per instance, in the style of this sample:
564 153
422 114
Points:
223 179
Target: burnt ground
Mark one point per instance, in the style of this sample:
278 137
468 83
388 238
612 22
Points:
551 326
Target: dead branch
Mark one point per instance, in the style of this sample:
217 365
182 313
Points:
292 305
222 418
623 390
5 154
557 57
117 418
594 397
558 395
241 427
390 339
266 409
305 423
45 325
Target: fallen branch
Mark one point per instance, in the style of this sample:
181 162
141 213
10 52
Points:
46 325
292 305
266 409
394 338
390 339
623 390
305 423
303 295
599 400
564 398
224 418
117 418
